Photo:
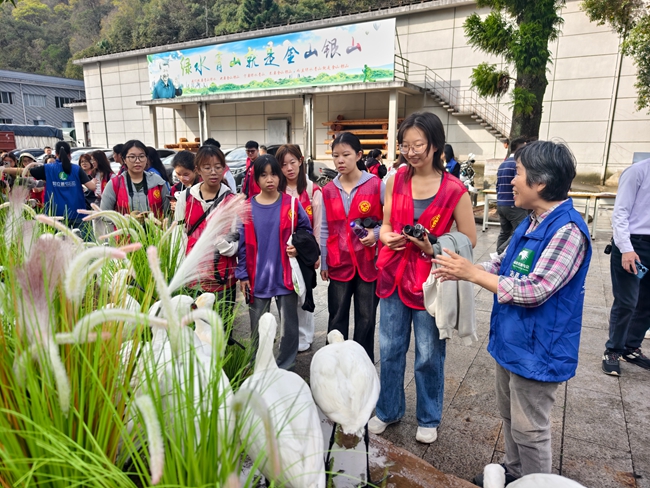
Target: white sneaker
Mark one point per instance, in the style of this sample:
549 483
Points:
426 435
647 334
377 426
303 347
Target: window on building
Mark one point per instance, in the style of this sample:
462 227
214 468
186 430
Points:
6 121
67 125
39 122
35 100
6 97
61 101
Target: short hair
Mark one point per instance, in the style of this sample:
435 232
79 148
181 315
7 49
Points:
432 128
549 163
184 159
517 143
47 147
252 145
449 152
265 160
212 142
262 146
117 148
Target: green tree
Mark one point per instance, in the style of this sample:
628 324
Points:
256 14
630 19
520 32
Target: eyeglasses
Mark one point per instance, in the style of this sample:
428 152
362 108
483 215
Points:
250 151
212 169
133 158
417 148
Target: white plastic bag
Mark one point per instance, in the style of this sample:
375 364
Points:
296 275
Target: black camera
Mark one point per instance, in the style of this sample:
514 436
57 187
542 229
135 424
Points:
419 232
368 223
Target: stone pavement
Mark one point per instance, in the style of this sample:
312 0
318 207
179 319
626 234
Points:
601 424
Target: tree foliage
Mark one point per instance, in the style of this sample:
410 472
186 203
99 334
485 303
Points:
519 32
631 20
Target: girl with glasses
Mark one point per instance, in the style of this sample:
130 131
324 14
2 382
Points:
193 206
136 189
420 193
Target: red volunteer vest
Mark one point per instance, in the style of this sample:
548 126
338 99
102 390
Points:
250 185
305 200
286 217
345 253
154 195
407 270
226 266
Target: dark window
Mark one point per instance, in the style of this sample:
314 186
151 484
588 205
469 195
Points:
39 122
6 97
61 101
67 125
6 121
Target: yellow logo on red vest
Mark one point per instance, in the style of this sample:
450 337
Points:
290 214
364 207
309 210
156 194
434 221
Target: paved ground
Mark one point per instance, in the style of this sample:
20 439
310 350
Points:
600 423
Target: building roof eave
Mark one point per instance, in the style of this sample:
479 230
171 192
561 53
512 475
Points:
278 94
285 29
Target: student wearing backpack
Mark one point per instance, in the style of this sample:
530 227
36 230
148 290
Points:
311 198
193 206
374 164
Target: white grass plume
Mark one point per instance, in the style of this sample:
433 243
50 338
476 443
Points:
154 436
200 258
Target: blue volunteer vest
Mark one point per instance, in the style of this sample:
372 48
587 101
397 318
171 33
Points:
540 343
64 194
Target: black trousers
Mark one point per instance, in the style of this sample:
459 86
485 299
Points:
630 315
510 218
339 297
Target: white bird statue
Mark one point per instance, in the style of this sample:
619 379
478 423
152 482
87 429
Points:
293 414
345 386
494 477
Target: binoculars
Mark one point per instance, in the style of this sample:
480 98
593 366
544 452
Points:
368 223
418 231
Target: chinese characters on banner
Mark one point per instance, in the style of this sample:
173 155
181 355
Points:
358 53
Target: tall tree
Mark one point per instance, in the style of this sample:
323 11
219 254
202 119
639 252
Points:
630 19
256 14
520 32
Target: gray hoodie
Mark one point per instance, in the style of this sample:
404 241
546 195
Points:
452 302
139 202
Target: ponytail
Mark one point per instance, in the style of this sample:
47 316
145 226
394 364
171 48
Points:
62 150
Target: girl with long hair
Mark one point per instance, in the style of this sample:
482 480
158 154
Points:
136 189
348 258
420 193
103 172
311 198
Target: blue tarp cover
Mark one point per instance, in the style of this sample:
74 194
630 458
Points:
32 130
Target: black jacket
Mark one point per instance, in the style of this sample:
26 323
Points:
308 253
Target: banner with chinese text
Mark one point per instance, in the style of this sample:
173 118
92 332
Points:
358 53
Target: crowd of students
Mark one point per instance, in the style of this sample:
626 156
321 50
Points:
355 230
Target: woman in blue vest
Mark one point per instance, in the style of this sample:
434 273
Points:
538 284
64 188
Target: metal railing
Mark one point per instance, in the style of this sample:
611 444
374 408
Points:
463 102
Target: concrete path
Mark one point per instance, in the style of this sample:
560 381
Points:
601 424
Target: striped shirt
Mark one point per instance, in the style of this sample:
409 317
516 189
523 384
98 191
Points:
505 174
557 265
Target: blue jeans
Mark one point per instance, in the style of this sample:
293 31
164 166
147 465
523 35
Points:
394 336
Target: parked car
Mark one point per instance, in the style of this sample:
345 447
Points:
36 152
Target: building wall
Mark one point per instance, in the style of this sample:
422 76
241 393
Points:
577 105
51 115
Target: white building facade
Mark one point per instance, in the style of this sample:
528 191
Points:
589 102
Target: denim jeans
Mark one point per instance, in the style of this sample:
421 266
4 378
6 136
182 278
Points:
288 308
339 297
394 337
525 406
630 315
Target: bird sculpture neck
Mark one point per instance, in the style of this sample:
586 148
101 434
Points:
264 358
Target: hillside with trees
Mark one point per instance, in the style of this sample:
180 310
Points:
44 36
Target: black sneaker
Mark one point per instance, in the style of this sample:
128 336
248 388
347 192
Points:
611 363
478 479
635 356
